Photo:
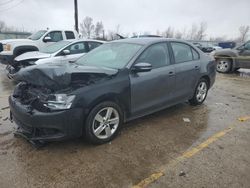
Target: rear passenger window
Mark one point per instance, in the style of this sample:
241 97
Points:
93 45
69 35
196 56
77 48
157 55
182 52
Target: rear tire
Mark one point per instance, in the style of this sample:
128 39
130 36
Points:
103 123
200 93
224 65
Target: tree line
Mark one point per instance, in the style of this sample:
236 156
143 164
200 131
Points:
89 29
196 32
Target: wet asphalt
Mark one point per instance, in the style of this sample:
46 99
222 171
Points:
142 148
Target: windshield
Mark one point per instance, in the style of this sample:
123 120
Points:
55 47
37 35
112 55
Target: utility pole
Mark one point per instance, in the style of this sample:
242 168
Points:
76 16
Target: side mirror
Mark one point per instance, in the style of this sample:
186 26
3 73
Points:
71 61
65 52
47 39
142 67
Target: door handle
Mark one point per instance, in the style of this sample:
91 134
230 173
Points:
197 67
171 73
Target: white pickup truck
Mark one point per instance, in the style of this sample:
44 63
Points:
11 48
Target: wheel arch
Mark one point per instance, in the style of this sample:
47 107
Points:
112 97
206 77
23 49
231 58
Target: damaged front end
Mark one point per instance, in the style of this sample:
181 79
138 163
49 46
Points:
43 103
33 108
13 68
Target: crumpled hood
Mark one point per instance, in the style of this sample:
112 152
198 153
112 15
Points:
32 55
59 76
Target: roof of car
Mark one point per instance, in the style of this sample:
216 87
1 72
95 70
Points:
83 40
146 40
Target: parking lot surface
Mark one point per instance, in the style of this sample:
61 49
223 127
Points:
146 146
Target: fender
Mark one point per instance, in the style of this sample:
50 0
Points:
22 49
227 54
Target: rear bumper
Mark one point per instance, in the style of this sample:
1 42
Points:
6 59
46 126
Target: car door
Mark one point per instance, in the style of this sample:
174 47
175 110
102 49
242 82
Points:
243 58
76 50
154 89
187 69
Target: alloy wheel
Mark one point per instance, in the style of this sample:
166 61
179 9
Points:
201 91
105 123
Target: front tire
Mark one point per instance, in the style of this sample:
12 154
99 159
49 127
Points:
200 93
103 123
224 65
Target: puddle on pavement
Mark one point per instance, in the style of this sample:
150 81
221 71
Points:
143 146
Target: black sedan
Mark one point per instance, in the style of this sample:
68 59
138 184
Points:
116 82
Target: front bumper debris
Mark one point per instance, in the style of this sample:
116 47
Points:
38 127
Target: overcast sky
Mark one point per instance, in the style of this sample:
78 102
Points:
223 17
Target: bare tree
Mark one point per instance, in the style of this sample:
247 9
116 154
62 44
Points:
135 34
98 29
169 33
243 33
87 27
2 25
218 39
117 29
178 35
201 33
193 32
158 32
111 35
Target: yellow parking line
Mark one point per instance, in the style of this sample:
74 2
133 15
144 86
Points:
152 178
155 176
244 118
205 144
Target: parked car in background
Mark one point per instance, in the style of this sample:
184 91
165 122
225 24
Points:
63 51
227 44
143 36
208 48
216 47
11 48
116 82
229 60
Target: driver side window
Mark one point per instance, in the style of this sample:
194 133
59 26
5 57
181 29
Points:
157 55
247 46
55 36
